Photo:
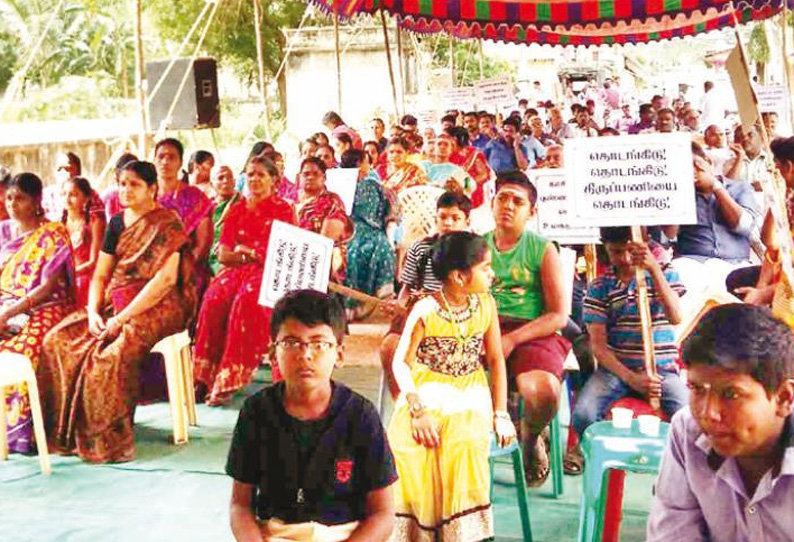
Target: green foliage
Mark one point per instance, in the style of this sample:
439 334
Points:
9 45
757 46
87 38
73 98
231 38
466 59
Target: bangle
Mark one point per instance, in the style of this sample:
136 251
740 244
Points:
774 260
718 185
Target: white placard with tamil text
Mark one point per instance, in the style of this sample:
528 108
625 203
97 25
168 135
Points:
458 98
552 210
343 182
296 259
494 92
642 180
771 98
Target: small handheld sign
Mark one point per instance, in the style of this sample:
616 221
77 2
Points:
296 259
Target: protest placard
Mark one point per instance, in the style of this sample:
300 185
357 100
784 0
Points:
636 180
458 98
343 182
494 92
552 210
771 98
296 259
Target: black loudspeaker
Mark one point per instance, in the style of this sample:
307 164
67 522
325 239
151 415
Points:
197 106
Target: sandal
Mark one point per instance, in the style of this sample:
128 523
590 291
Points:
573 462
537 465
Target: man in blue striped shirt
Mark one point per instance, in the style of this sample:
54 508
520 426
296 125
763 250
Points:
612 317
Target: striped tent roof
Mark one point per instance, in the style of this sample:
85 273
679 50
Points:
564 22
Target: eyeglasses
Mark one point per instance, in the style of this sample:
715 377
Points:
293 346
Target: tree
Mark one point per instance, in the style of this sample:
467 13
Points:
88 38
758 49
231 38
466 59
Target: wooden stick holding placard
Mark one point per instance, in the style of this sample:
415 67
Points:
644 308
353 294
591 264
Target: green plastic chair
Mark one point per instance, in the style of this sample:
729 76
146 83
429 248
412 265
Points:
606 448
555 445
514 451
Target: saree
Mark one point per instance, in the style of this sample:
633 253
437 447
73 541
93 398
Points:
313 211
397 180
219 215
370 258
28 261
192 206
88 387
233 329
81 243
476 165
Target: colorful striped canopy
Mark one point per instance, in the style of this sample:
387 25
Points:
564 22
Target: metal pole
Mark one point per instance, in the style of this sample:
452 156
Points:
388 58
140 92
400 60
260 60
338 59
787 68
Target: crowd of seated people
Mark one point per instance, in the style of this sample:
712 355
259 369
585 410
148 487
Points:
89 283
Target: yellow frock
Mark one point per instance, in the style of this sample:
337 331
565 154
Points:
443 493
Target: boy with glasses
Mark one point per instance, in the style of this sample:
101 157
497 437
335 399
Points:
309 457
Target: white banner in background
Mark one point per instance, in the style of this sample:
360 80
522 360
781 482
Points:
642 180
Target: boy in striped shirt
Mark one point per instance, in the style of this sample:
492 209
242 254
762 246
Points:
613 324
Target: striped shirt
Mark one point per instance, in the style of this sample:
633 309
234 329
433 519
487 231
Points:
417 272
613 303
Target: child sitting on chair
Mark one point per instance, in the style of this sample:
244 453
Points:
611 313
309 457
728 470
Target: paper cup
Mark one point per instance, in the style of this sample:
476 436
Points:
649 425
621 418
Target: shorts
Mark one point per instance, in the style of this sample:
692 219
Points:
541 354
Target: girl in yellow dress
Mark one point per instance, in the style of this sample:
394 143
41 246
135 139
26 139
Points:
441 429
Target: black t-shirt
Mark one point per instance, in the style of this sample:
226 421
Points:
112 234
320 470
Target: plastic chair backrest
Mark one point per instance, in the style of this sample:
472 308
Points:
418 212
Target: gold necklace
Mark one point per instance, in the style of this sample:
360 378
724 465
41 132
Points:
460 334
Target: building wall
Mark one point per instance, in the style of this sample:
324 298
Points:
366 87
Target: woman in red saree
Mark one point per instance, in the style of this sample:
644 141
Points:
36 290
472 160
141 292
233 330
323 212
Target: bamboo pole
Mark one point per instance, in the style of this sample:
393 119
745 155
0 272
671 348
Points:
338 59
452 60
140 93
644 308
482 59
391 67
353 294
400 61
591 270
787 67
260 60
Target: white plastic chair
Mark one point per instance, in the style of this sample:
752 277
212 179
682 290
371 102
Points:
175 350
417 212
17 369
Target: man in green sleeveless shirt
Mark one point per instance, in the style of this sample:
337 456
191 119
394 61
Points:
530 297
